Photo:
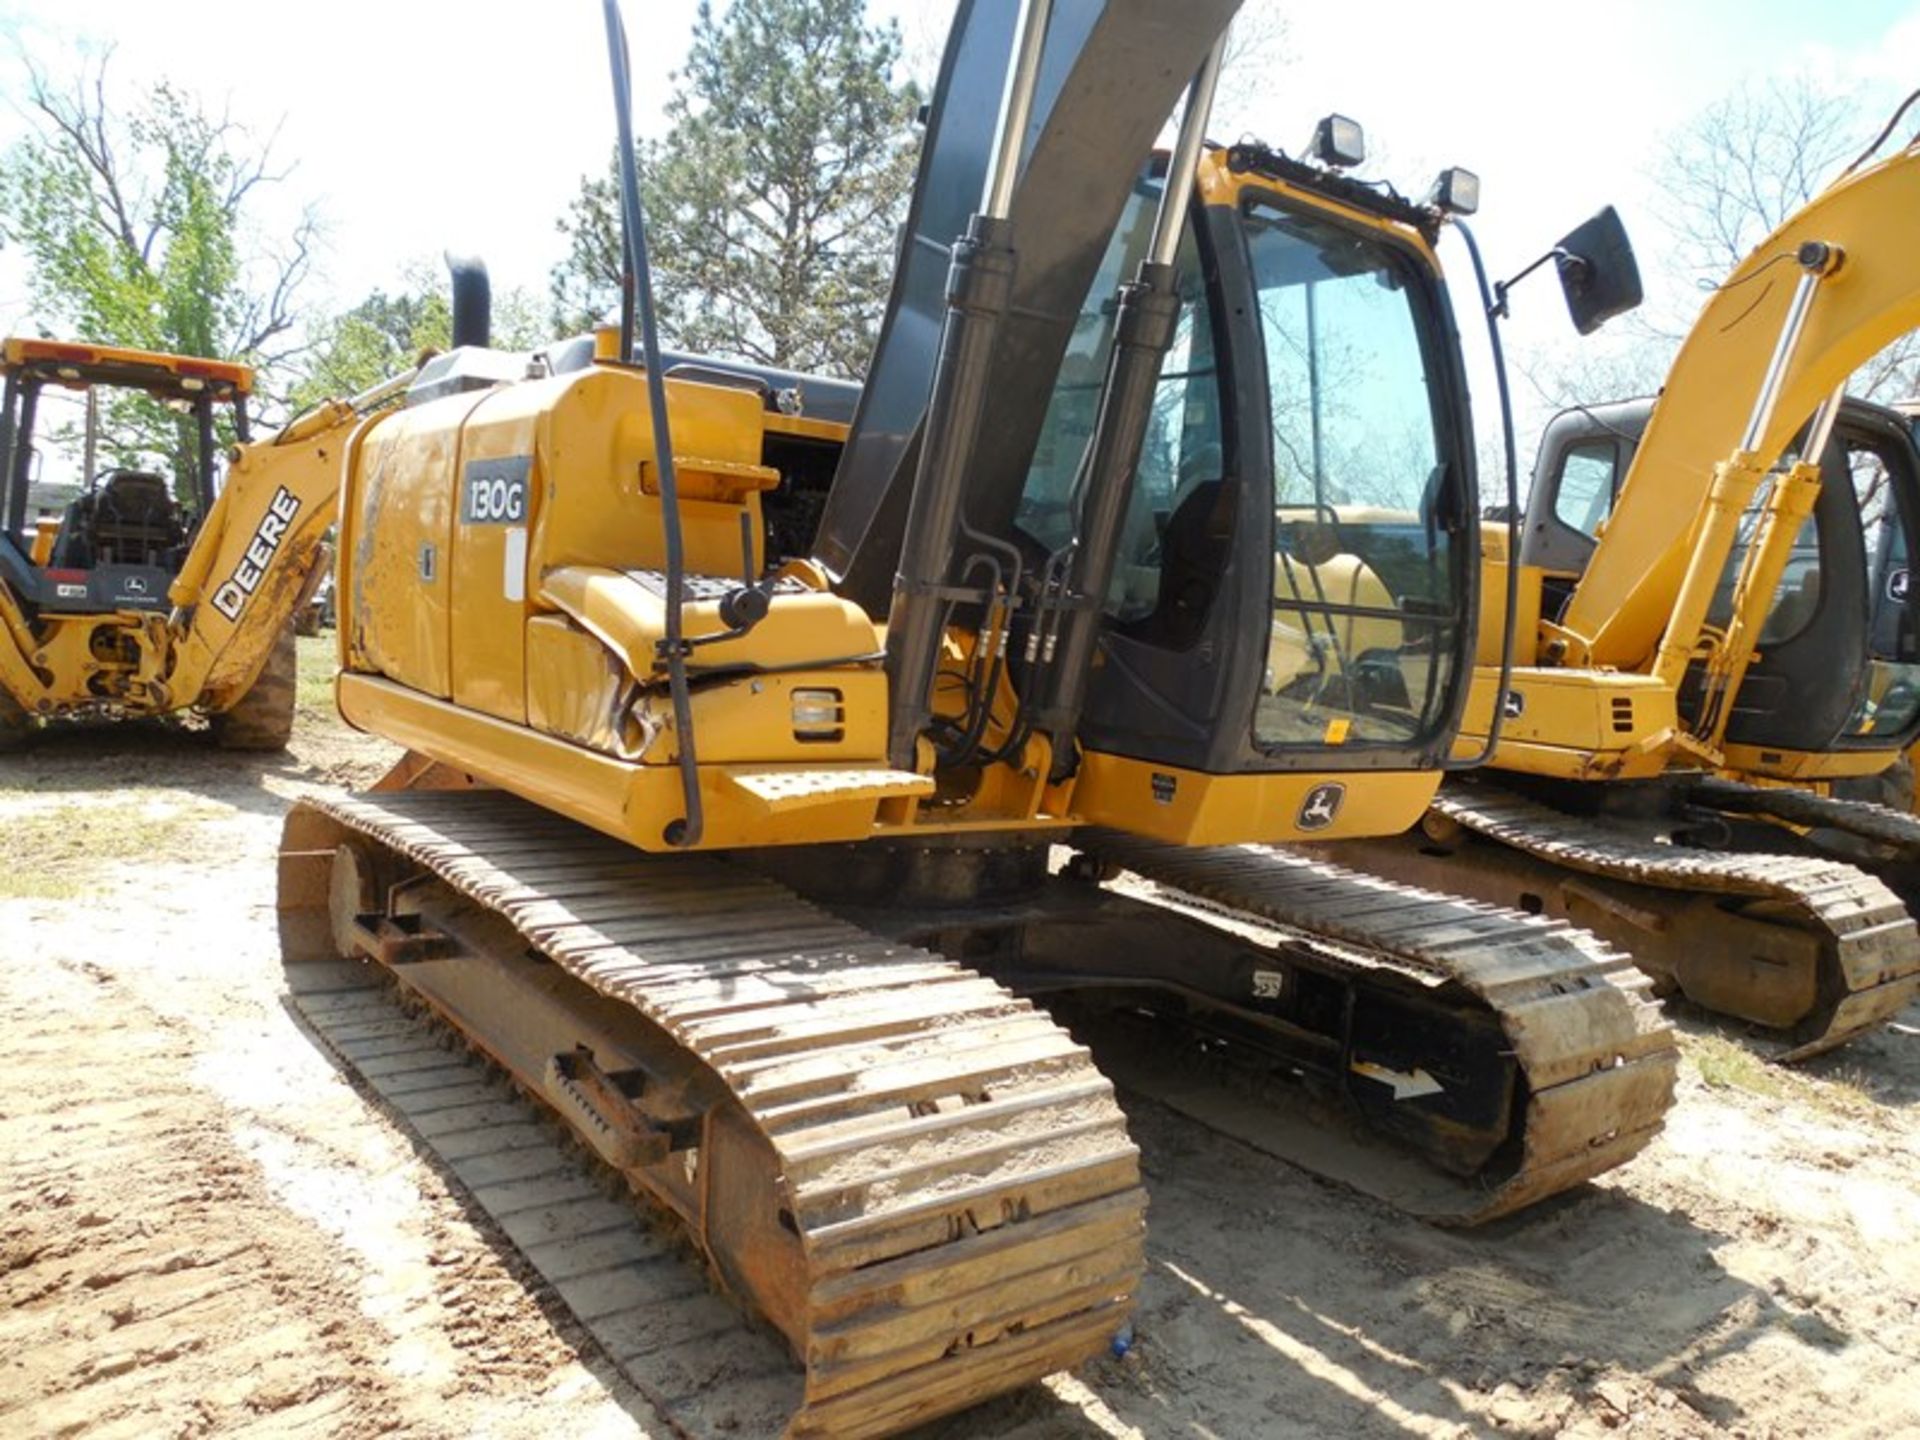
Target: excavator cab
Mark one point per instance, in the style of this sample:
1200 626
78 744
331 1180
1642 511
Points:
119 543
1298 548
1294 568
1835 686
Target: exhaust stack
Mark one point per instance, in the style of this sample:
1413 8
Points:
472 300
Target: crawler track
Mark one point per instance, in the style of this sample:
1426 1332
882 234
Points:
690 1352
1881 824
1595 1059
917 1178
1812 947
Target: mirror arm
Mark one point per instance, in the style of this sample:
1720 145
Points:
1497 304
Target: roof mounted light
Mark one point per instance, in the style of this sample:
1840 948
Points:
1338 143
1456 191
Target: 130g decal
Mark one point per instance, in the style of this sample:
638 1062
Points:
494 492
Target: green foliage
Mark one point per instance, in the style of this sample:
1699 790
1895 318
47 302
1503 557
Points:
136 225
387 335
586 285
380 337
773 200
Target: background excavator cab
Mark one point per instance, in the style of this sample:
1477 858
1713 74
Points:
1838 668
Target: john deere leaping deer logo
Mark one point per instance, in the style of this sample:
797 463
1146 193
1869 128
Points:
1321 806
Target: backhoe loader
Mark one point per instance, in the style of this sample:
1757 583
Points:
746 856
151 595
1696 664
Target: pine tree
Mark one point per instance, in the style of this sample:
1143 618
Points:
774 200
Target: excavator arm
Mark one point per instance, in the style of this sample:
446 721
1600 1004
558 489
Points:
1867 227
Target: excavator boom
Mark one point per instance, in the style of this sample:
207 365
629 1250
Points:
262 549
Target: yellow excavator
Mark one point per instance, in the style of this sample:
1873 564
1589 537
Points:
1695 661
147 595
1831 698
1866 810
771 744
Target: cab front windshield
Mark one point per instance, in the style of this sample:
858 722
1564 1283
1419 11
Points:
1366 597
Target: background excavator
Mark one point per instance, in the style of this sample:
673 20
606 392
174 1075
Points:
1831 699
1704 650
1869 815
770 746
152 594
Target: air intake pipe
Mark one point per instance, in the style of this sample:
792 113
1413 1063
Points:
472 300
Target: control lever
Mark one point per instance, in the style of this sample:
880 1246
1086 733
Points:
743 608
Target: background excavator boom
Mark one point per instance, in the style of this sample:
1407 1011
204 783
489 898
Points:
1621 606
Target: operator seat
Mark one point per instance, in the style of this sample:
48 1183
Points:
136 520
1195 547
73 541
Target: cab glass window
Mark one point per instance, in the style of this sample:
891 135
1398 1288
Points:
1588 478
1181 452
1891 702
1367 594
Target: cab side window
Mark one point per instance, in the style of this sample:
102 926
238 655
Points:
1589 474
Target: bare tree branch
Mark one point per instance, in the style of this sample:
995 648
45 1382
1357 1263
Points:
1738 171
139 223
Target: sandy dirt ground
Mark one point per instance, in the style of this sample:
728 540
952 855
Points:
205 1228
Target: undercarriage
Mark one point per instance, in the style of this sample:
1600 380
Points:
882 1147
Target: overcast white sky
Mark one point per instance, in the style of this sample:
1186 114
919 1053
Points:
418 125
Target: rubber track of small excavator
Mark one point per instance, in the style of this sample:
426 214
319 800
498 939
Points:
1596 1054
961 1181
1874 951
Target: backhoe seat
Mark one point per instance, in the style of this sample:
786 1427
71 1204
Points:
73 543
135 520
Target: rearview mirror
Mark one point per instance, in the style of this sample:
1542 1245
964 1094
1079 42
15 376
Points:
1598 273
